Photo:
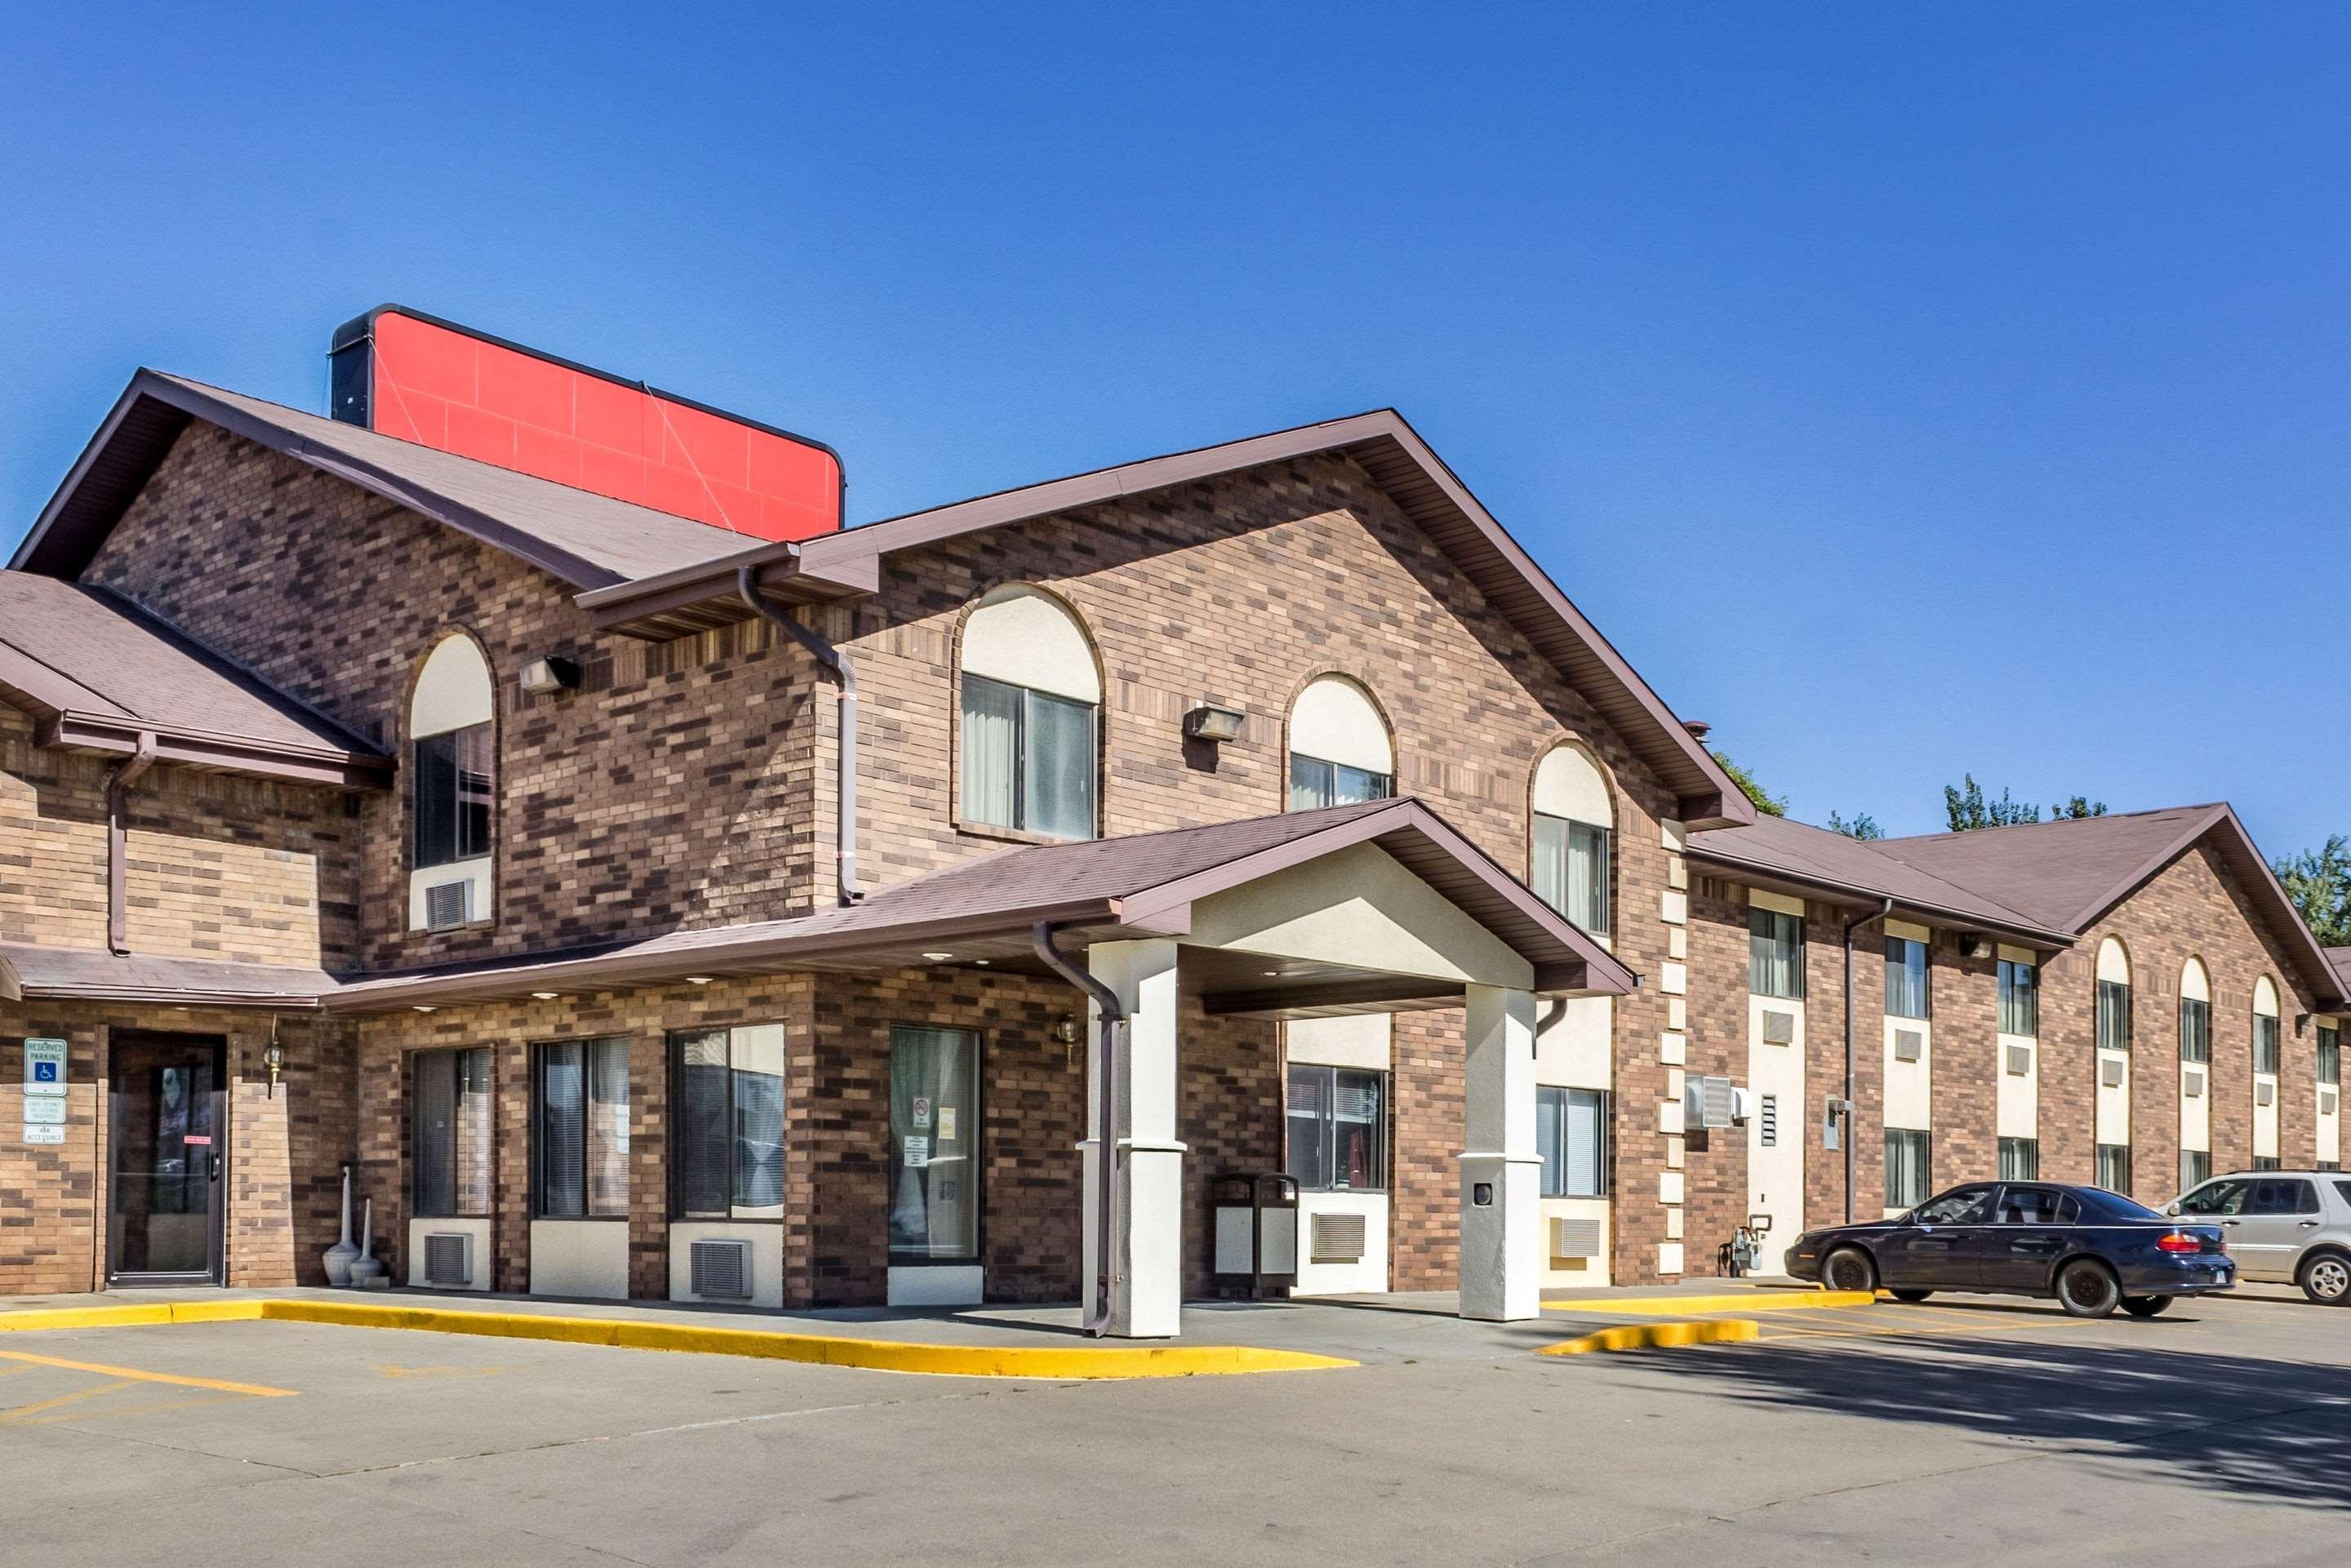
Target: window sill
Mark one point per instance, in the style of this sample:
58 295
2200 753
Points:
1017 835
471 927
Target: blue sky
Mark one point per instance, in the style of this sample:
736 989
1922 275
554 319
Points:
1904 389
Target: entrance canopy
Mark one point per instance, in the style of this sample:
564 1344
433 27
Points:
1375 907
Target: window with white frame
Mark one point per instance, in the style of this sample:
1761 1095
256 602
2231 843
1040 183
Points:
453 776
1032 701
1909 1167
2115 1168
2020 998
2114 1015
1571 1139
1340 751
2195 1030
1338 1129
2330 1054
1775 953
581 1129
1572 836
449 1129
2266 1025
2019 1159
1908 995
726 1122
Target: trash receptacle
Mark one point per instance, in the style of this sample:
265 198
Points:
1253 1235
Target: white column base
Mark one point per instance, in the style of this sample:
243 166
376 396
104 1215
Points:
1501 1240
1146 1299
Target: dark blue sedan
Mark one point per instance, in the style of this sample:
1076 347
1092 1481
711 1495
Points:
2093 1249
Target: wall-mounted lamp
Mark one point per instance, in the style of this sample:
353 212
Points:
272 1056
1065 1029
1213 723
545 677
1974 944
2301 1022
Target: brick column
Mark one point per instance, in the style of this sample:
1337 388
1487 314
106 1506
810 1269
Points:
1673 1045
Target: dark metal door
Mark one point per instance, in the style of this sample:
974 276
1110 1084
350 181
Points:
168 1158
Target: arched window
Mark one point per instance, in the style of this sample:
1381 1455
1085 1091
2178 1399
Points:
2195 1013
1575 821
452 785
1031 701
2266 1025
2113 996
1340 752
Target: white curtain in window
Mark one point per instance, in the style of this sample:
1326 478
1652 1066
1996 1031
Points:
608 1127
989 758
1585 1139
1550 877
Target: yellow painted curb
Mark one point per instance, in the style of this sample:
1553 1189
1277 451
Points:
1752 1302
1658 1336
883 1356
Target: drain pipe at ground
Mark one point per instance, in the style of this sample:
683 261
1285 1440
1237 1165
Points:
1112 1020
844 680
1856 924
118 788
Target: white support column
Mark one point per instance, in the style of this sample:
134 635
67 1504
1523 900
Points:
1147 1290
1501 1221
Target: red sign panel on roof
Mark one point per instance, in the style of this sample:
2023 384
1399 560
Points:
443 386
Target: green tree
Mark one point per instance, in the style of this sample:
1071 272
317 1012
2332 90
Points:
1771 805
2319 883
1967 808
1860 825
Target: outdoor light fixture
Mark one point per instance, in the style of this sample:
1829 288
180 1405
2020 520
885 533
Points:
272 1056
423 1008
1209 722
1065 1029
545 995
545 677
938 957
697 980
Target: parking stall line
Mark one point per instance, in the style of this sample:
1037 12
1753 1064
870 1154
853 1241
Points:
134 1374
18 1414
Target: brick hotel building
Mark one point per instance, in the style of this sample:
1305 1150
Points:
516 787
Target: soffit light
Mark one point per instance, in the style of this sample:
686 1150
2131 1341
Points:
938 957
545 995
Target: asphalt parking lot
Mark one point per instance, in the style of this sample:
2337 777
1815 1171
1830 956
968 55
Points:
1950 1431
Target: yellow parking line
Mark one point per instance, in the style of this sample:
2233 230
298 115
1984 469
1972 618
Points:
21 1411
1696 1305
134 1374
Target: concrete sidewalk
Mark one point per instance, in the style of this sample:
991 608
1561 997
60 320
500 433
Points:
1390 1328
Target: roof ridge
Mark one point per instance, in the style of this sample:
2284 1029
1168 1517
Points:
2051 822
1717 838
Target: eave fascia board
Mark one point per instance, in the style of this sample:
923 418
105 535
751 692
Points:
1855 895
201 749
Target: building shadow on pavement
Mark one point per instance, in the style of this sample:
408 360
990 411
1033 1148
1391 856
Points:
2255 1429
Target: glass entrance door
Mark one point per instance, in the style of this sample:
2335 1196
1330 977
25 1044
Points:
168 1160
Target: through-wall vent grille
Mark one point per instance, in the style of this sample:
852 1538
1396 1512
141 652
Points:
2019 1060
1910 1044
720 1270
1573 1238
1779 1028
448 905
1338 1238
448 1258
2110 1073
2192 1084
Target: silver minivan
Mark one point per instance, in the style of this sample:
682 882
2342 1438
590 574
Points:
2289 1226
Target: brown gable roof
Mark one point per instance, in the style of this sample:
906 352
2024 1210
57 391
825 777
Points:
2059 877
99 671
585 539
648 573
1388 449
1106 889
1816 857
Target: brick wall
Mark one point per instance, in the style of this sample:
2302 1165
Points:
216 865
285 1149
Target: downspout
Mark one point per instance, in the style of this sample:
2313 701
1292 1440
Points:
1856 924
1114 1021
844 680
118 786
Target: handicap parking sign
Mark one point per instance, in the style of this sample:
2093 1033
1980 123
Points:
45 1067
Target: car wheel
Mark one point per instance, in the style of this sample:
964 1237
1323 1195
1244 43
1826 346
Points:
2145 1306
2327 1279
1849 1269
2086 1289
1910 1295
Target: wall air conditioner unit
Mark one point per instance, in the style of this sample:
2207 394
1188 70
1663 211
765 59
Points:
1779 1028
449 1258
1707 1102
2019 1060
1572 1237
448 906
1910 1044
2264 1093
1337 1238
2110 1073
719 1271
2192 1084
